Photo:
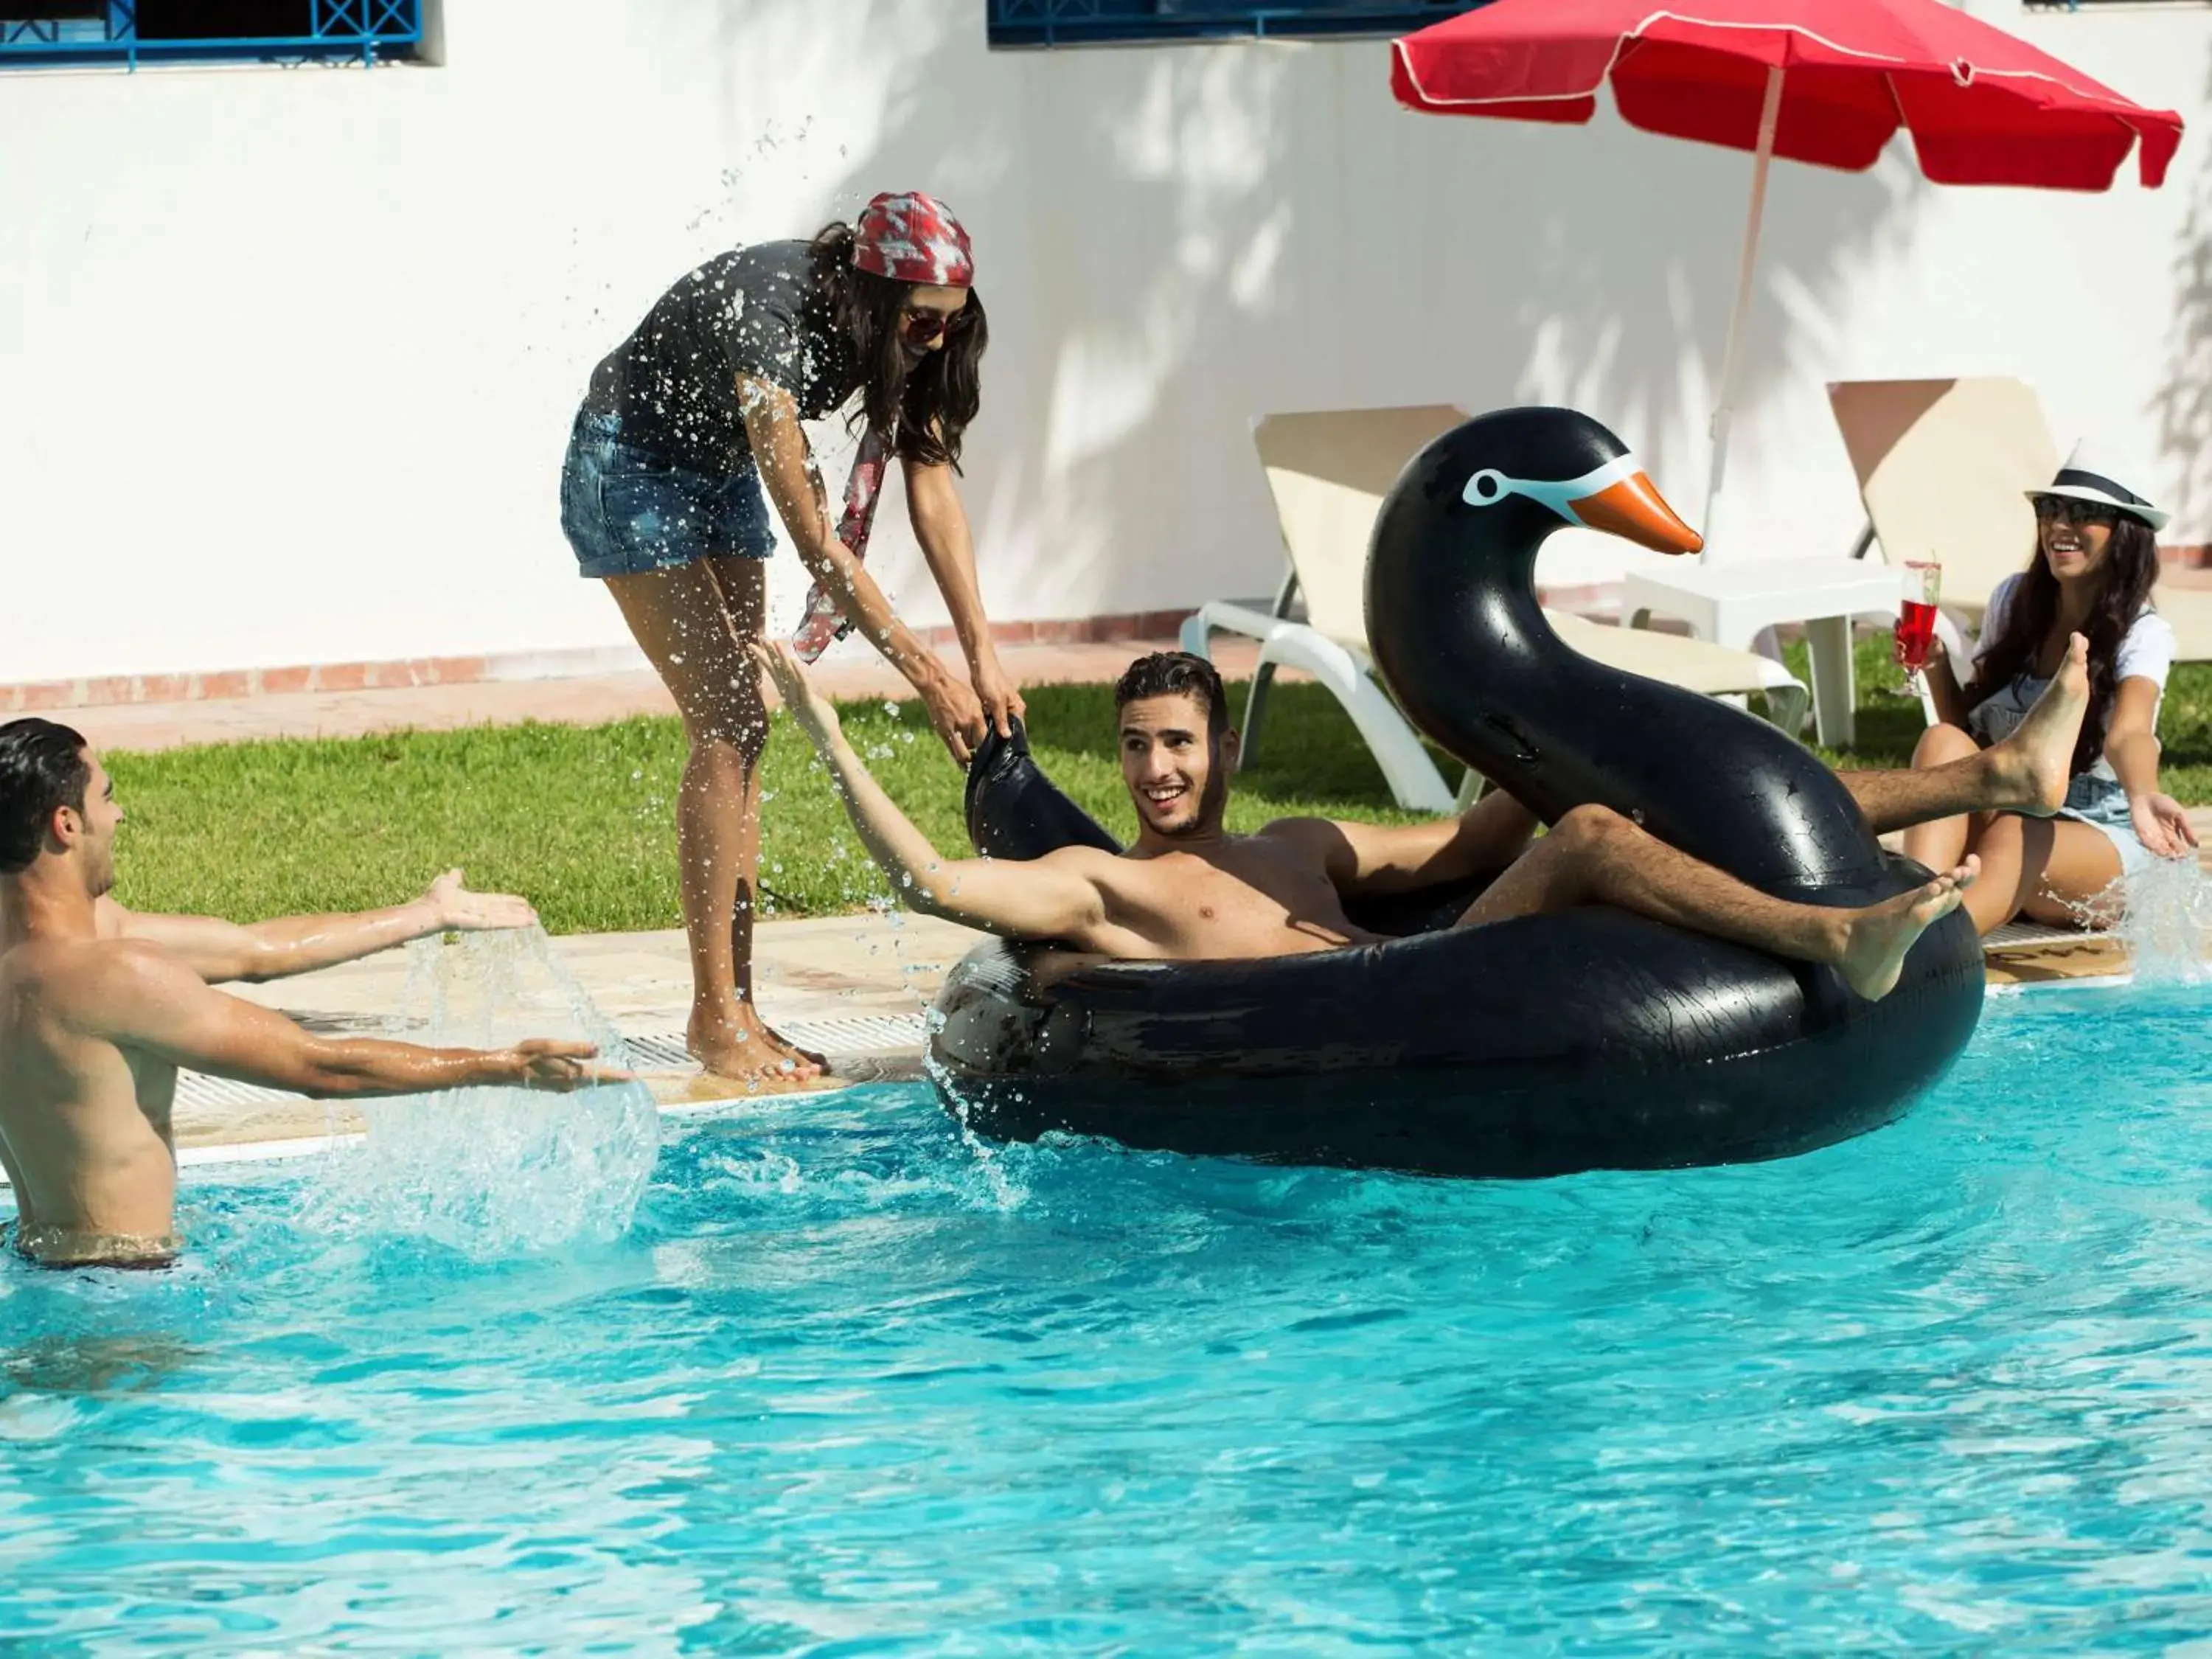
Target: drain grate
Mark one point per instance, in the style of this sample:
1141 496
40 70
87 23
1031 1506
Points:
660 1053
870 1035
873 1034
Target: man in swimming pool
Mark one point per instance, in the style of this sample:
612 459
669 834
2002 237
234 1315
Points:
99 1006
1189 890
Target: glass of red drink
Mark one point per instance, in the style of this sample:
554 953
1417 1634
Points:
1922 591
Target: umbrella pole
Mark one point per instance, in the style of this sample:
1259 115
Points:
1770 114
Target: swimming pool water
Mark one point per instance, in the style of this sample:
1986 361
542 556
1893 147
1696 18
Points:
850 1384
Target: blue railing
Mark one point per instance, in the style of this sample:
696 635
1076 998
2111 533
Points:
134 32
1081 22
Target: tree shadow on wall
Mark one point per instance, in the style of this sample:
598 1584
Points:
1273 234
2183 400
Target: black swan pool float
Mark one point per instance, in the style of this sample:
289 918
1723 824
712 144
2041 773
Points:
1590 1039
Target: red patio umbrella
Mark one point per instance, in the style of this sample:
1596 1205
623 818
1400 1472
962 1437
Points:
1828 82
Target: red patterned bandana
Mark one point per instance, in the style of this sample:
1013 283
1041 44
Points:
916 238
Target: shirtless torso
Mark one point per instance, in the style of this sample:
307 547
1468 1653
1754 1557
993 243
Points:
1271 894
85 1123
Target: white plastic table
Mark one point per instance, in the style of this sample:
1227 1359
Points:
1728 604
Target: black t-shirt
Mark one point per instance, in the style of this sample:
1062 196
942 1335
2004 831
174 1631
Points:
753 312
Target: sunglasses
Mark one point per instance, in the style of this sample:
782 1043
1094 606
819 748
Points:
921 327
2065 509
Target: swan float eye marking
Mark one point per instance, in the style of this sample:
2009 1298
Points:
1489 487
1615 498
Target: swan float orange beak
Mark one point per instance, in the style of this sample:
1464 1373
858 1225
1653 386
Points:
1634 510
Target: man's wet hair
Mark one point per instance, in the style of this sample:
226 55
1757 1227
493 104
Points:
1176 674
42 766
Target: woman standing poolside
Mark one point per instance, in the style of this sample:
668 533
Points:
2096 558
661 499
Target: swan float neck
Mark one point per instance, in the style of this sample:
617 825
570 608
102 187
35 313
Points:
1457 633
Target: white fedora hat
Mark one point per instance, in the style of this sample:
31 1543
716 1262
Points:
2085 477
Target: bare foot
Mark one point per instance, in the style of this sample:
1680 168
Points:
2036 762
1876 938
736 1043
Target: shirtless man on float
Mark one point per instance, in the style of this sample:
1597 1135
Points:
1188 891
99 1006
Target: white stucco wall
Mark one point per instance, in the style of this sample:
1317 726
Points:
289 355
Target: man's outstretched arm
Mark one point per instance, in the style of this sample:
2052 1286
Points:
1050 898
217 950
148 1001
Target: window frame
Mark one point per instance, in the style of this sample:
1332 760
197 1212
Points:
367 32
1029 25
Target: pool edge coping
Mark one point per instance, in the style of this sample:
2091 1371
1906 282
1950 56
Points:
301 1146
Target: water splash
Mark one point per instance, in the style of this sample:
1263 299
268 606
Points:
494 1172
2166 922
994 1164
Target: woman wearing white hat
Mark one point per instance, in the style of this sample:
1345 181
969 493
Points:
2096 558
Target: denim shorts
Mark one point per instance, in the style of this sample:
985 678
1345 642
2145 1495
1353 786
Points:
627 510
2103 806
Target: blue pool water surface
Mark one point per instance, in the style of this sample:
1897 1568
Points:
852 1384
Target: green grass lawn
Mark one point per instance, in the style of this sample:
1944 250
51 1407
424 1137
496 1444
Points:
579 819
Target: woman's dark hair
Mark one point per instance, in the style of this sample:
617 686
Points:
2130 568
1176 674
42 766
923 410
